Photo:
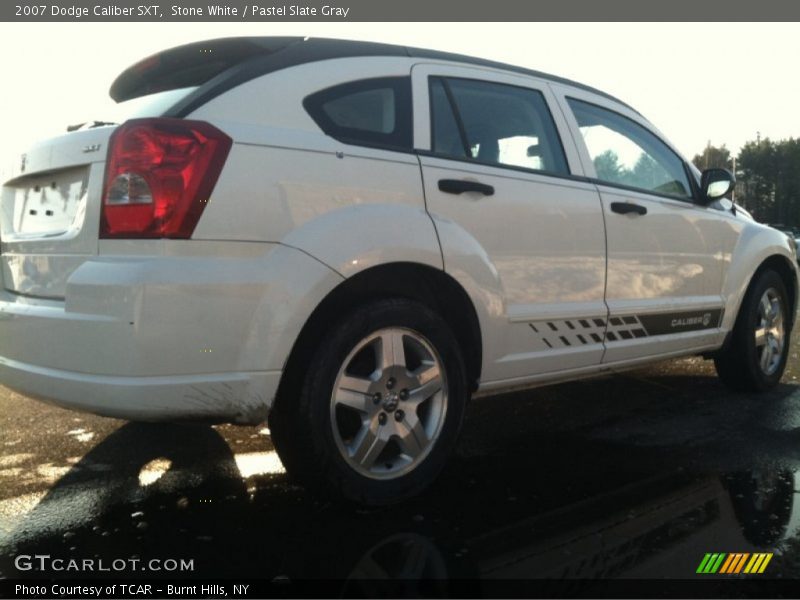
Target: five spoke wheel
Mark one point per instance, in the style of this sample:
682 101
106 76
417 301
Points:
754 355
389 403
378 405
770 332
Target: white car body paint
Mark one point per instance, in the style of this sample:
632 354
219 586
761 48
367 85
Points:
202 328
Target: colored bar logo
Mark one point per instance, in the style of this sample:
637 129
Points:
734 563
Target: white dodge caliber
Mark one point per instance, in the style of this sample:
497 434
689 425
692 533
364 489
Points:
349 239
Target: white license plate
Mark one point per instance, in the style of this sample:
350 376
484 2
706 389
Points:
49 204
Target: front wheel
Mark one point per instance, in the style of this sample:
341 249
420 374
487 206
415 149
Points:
755 358
379 408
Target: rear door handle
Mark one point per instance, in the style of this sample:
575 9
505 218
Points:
625 208
459 186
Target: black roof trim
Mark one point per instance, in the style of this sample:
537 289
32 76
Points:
482 62
297 51
263 55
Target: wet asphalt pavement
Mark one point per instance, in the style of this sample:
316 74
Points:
636 475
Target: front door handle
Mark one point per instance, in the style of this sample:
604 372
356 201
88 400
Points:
459 186
625 208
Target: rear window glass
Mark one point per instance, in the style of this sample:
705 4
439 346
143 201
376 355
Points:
370 112
107 112
153 105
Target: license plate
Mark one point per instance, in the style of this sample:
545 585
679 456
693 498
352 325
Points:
49 204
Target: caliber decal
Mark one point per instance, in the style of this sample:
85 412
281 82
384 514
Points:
683 321
589 330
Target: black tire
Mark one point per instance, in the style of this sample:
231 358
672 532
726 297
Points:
303 423
738 364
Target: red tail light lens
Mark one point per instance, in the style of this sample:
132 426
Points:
159 177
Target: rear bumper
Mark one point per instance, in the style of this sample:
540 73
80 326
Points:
199 336
226 397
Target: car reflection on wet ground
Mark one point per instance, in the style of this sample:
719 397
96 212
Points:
635 475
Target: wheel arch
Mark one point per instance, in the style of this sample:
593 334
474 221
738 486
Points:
781 265
432 287
787 272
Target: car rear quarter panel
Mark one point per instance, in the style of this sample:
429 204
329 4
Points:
287 182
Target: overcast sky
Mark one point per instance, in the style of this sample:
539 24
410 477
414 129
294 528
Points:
696 82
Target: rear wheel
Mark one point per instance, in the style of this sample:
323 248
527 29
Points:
379 408
755 358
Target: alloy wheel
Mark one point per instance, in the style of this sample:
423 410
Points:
389 403
770 335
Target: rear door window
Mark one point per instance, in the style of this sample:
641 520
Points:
494 123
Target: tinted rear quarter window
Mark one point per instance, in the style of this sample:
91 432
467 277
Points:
369 112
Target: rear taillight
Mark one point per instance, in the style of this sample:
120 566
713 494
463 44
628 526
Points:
159 177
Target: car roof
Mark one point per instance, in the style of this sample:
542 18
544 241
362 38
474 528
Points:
215 66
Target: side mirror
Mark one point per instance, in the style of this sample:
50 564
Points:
715 183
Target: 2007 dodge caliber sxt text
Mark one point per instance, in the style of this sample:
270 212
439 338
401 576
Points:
349 239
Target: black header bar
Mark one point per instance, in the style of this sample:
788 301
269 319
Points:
265 11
